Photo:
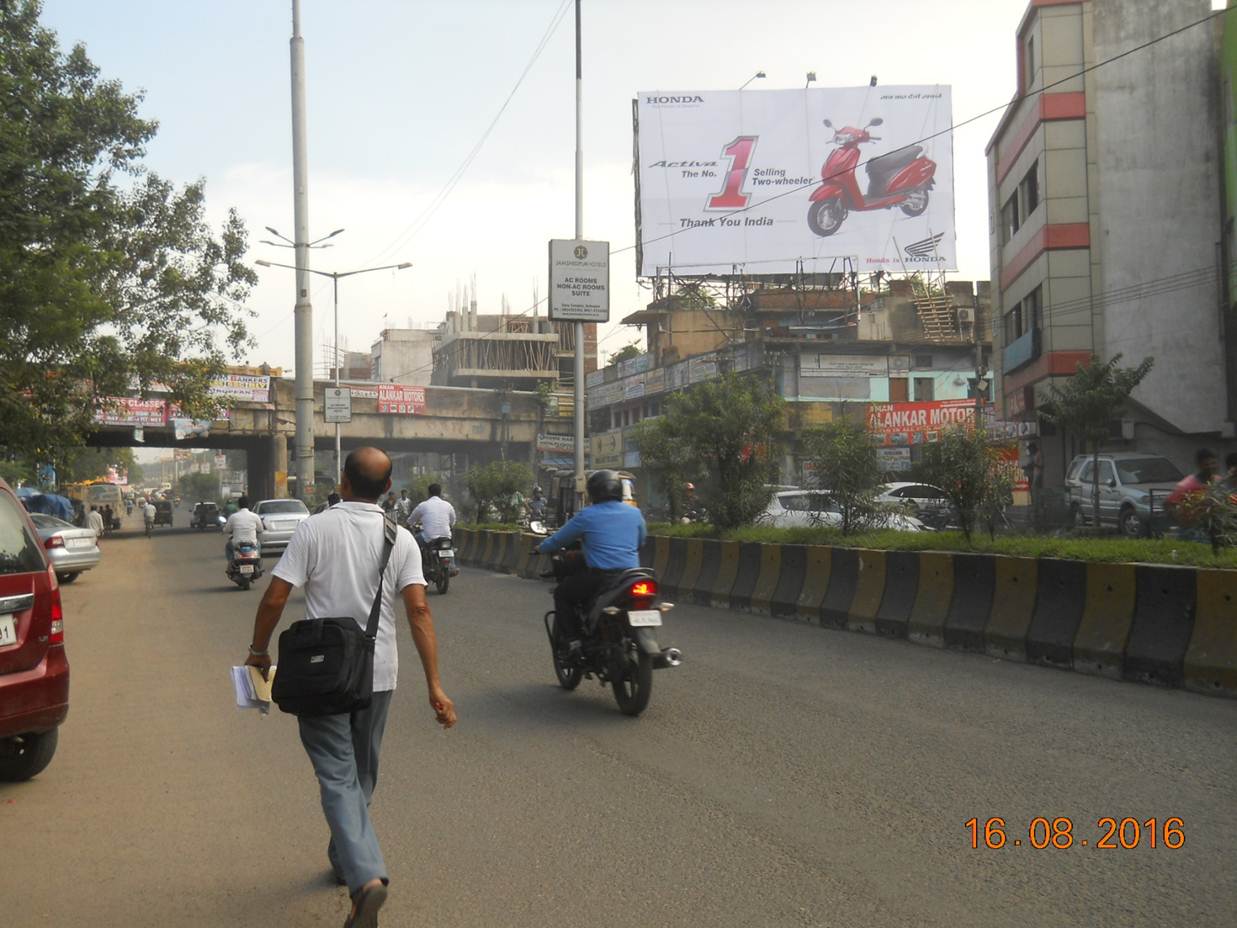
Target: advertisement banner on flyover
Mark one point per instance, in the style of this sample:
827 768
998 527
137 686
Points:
901 424
126 410
400 399
734 178
252 388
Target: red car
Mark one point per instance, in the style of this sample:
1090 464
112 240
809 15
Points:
34 672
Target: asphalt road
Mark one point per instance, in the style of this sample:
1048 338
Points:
785 776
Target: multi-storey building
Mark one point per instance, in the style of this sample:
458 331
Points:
1105 220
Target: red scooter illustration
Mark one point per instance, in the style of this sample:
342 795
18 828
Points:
901 178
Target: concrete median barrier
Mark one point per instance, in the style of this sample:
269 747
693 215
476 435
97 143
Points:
1013 605
817 570
767 578
843 581
511 554
1211 659
936 587
727 571
676 559
693 560
784 600
901 587
1162 626
661 556
745 576
869 591
1060 594
463 544
970 610
1107 612
485 546
706 579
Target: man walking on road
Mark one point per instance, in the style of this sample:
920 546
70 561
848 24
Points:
94 522
334 557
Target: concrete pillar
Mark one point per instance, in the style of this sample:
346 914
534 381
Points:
279 465
259 474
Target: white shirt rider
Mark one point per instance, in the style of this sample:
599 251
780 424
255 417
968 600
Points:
436 516
243 527
149 512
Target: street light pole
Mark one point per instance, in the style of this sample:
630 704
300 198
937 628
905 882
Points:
303 313
335 278
579 326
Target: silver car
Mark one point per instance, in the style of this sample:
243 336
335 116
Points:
1132 486
815 508
69 548
280 517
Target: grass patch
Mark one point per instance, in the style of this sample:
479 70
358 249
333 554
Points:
1099 550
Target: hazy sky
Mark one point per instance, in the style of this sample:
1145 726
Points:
400 91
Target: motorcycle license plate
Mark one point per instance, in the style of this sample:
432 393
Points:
246 568
644 618
446 555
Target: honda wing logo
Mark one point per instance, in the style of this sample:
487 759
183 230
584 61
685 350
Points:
924 249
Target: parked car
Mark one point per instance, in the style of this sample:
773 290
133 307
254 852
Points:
70 549
34 673
280 517
1129 485
804 508
925 502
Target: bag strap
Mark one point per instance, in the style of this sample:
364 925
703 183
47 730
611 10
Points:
389 532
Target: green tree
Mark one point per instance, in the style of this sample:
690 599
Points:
727 427
626 353
498 485
966 464
198 488
1087 403
845 461
108 273
666 460
419 486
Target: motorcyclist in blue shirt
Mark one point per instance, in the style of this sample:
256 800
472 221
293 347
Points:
612 533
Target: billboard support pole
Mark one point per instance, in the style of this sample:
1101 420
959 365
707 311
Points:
579 326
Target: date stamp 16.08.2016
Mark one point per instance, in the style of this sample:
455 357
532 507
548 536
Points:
1110 833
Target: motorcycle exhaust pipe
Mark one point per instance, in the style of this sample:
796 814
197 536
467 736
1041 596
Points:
669 657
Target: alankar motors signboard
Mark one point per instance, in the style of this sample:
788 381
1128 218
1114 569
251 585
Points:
901 424
764 179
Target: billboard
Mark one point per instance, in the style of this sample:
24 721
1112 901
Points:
730 178
917 423
401 400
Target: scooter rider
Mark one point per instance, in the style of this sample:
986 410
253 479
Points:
612 533
241 528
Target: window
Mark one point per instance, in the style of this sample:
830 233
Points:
19 552
281 507
1029 78
1026 316
1009 219
925 389
1107 475
923 361
1148 470
1029 188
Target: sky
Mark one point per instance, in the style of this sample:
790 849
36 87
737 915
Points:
400 91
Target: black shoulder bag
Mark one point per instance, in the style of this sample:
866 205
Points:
326 666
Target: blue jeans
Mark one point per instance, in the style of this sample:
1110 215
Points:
344 752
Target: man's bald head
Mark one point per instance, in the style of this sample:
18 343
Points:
367 474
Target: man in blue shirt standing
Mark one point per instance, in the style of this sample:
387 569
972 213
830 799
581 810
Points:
612 533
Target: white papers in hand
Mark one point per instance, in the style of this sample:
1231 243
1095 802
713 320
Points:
246 697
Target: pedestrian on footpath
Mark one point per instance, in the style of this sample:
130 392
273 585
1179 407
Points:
335 557
94 522
403 506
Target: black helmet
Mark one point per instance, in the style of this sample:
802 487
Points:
605 485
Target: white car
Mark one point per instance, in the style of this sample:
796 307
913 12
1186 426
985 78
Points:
280 517
810 508
926 502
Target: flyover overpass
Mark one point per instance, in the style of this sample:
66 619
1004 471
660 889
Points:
476 423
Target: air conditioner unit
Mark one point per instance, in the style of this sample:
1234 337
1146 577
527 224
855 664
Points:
966 315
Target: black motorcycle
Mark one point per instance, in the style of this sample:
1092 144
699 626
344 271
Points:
246 564
619 644
439 563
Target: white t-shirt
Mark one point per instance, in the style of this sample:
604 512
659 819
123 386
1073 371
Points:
436 516
148 512
335 556
243 526
95 521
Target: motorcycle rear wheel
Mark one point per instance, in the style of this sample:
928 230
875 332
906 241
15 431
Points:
916 202
634 687
442 582
567 673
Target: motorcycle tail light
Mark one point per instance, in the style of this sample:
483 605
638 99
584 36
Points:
642 593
